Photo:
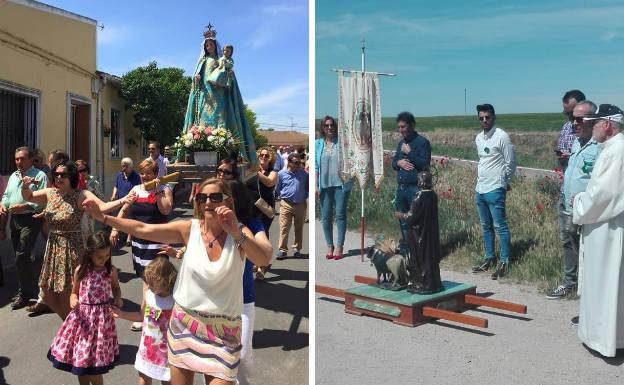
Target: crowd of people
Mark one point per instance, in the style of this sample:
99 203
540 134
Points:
196 320
591 208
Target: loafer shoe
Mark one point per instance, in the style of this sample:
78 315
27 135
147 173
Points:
501 271
484 266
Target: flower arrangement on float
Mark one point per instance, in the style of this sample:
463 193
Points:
207 139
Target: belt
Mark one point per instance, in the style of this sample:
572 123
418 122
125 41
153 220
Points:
65 231
24 214
291 202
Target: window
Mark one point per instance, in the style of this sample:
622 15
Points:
18 126
115 134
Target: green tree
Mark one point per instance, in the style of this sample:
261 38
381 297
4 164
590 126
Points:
157 97
259 139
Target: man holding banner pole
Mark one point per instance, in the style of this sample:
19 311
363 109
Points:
413 155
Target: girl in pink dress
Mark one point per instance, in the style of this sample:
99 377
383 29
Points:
151 359
86 344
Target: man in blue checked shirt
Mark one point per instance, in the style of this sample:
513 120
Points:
567 135
292 187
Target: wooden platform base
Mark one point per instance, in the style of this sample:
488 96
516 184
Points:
404 308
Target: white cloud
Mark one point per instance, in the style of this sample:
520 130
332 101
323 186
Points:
609 35
279 9
345 25
505 26
112 34
278 96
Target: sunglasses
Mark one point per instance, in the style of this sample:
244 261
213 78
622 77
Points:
59 174
294 161
82 170
578 119
264 156
213 197
484 118
224 172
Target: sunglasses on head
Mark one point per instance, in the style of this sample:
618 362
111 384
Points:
59 174
213 197
223 171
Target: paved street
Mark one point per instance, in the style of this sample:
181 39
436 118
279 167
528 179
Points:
540 347
280 337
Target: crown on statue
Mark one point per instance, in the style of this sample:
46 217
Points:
210 32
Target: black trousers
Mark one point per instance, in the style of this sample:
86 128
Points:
24 232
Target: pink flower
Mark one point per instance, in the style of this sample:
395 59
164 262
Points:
196 135
208 130
194 129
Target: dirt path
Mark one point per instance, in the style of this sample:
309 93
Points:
539 348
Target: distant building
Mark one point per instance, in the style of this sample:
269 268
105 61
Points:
283 138
52 96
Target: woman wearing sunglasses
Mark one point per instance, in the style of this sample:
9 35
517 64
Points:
204 331
63 212
330 188
92 183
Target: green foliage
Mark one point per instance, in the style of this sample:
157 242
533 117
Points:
158 98
259 139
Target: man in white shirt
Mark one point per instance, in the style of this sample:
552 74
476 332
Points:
600 211
497 165
153 148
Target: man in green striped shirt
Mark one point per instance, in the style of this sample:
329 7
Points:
24 228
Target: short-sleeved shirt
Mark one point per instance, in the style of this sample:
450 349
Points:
125 184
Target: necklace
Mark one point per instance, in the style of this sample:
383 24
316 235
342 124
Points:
211 243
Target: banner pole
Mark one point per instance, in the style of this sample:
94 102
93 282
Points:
362 225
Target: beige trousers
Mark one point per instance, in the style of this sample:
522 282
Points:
288 214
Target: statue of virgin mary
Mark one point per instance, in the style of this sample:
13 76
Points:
215 100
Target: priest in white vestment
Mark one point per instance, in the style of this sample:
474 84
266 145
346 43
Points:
600 211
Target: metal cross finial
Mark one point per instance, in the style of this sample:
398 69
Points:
209 26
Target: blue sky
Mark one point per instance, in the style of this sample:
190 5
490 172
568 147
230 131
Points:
270 41
519 56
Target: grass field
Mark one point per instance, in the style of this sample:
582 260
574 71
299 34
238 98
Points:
531 210
533 136
549 121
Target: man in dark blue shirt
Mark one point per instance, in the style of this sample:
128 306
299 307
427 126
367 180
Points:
413 155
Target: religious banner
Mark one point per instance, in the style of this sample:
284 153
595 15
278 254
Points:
359 127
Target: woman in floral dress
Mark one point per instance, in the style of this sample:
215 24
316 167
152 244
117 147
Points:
63 213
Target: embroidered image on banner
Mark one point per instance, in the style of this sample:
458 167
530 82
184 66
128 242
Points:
359 127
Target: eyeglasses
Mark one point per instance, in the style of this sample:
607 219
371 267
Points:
82 170
213 197
224 172
484 118
62 175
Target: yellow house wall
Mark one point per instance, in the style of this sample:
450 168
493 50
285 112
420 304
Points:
110 98
70 39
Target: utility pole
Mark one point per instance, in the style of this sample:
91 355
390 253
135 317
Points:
465 111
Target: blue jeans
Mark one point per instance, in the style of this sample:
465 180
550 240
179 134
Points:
334 197
491 208
403 202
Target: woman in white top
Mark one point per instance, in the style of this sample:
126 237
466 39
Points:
205 328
